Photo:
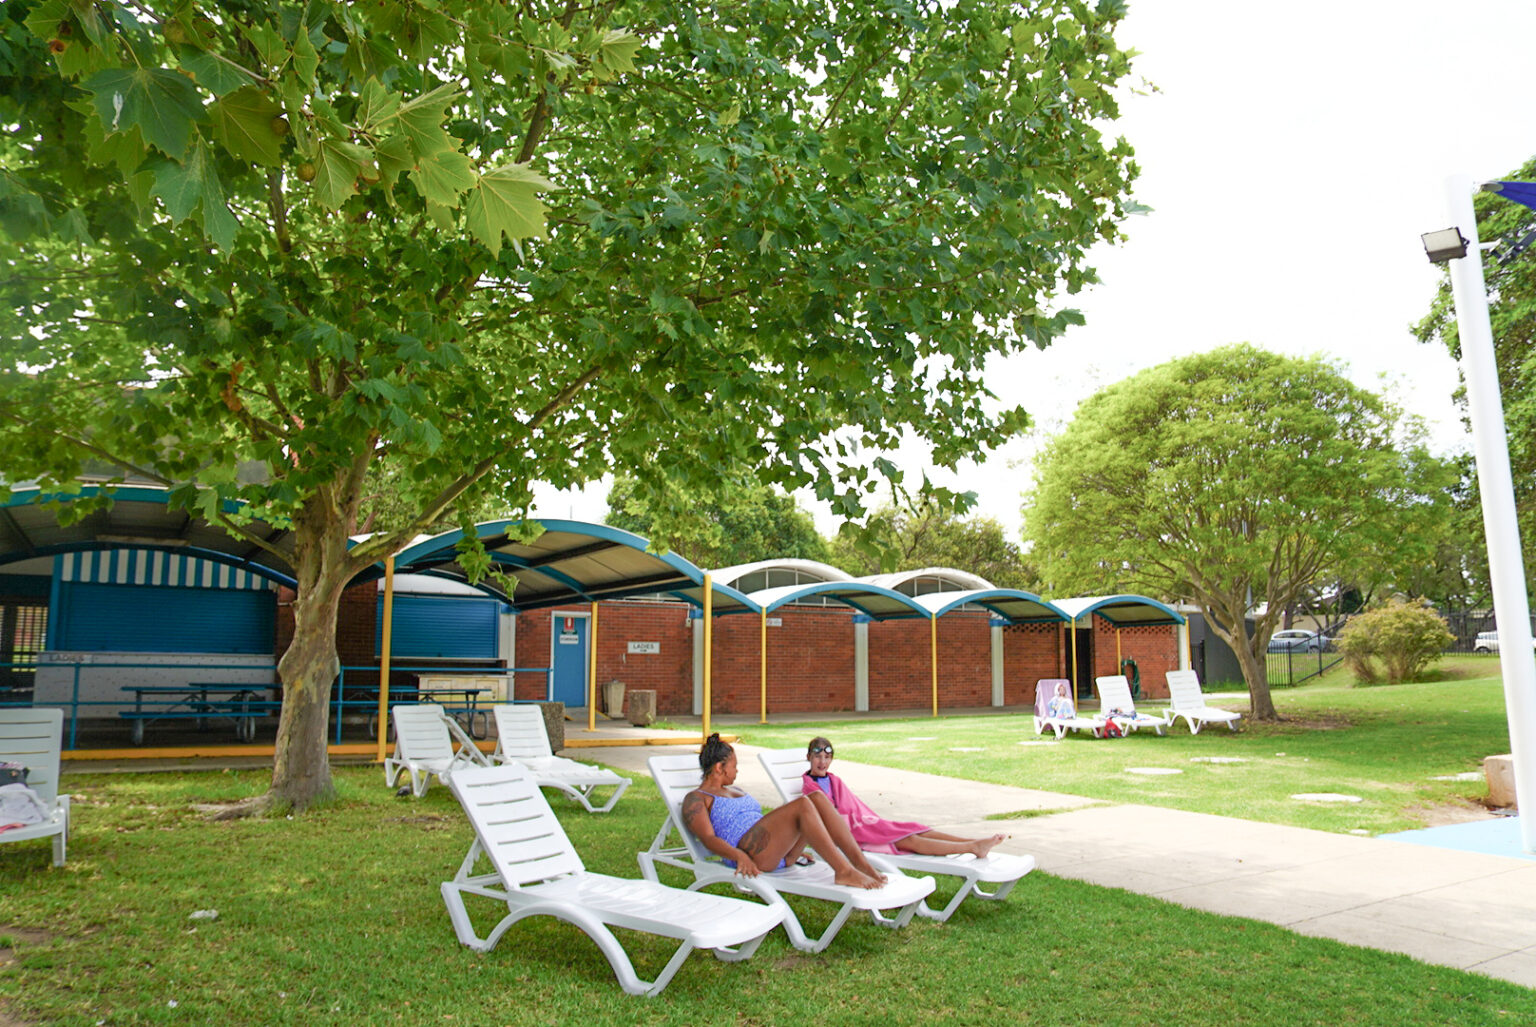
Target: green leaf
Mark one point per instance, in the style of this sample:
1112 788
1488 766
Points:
163 104
215 74
194 183
422 119
444 177
377 107
305 60
505 202
268 43
395 158
242 123
337 165
618 49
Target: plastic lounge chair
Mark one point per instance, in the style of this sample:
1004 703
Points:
676 776
1187 701
33 737
427 742
1116 704
537 872
1045 690
523 739
786 767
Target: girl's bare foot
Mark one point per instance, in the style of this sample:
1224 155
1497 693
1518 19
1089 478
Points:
857 879
986 845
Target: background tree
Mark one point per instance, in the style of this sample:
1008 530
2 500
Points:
1511 279
928 536
1394 642
1230 479
736 522
484 244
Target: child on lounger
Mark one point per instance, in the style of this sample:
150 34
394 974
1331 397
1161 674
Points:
874 833
1060 707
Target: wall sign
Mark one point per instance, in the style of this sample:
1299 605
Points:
775 622
569 638
645 647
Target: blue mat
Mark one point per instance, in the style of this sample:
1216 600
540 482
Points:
1497 837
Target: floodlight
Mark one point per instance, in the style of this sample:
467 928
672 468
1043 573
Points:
1446 244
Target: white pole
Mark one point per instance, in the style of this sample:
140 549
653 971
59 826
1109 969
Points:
1506 568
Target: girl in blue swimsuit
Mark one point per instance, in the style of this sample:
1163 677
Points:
733 826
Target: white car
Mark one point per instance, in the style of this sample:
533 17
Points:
1488 642
1297 640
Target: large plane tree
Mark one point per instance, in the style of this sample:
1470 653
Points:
465 245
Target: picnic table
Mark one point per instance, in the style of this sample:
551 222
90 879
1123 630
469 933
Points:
238 703
457 701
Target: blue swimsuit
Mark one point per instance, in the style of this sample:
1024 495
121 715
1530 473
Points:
732 816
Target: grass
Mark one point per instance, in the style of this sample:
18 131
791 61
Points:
1385 744
335 918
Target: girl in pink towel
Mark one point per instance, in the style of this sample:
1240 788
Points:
873 832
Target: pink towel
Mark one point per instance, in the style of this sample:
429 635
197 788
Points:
873 832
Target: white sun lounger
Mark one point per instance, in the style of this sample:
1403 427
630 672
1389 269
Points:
537 872
522 738
1116 704
1045 689
33 736
786 767
428 742
676 776
1187 701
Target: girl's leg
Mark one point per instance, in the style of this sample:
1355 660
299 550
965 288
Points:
796 824
932 843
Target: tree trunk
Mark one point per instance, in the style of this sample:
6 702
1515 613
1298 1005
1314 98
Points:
1256 674
301 770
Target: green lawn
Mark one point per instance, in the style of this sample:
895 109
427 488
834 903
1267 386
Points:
335 918
1385 744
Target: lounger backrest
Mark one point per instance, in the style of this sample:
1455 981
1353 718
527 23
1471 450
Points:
675 777
1184 690
1045 689
520 731
1114 694
786 768
421 731
517 830
32 736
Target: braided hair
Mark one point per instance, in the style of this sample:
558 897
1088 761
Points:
712 752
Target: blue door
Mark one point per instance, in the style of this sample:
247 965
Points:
569 660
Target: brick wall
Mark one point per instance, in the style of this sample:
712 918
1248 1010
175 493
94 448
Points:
810 661
1031 652
1155 648
900 668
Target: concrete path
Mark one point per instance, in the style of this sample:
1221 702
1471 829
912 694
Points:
1467 910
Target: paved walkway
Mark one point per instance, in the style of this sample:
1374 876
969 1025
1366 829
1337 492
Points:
1463 909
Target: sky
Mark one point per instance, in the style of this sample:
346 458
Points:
1292 155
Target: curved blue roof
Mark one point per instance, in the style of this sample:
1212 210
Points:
1123 610
1013 604
874 600
570 561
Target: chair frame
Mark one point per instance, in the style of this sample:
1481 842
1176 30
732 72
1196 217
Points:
676 776
1115 694
1191 705
786 766
522 738
422 752
536 871
1061 725
34 736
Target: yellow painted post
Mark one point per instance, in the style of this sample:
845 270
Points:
1118 660
1073 637
709 619
592 671
384 643
762 652
933 659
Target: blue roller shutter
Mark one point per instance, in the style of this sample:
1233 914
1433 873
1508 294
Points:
440 628
149 619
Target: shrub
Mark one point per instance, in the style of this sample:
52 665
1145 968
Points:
1396 642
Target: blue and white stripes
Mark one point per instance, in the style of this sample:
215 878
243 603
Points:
148 567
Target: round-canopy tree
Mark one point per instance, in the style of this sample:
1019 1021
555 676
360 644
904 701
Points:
1229 479
482 244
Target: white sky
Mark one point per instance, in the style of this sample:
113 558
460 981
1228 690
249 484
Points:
1292 156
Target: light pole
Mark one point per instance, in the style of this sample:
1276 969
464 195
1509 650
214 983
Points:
1506 568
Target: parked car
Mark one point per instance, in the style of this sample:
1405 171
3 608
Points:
1298 640
1488 642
